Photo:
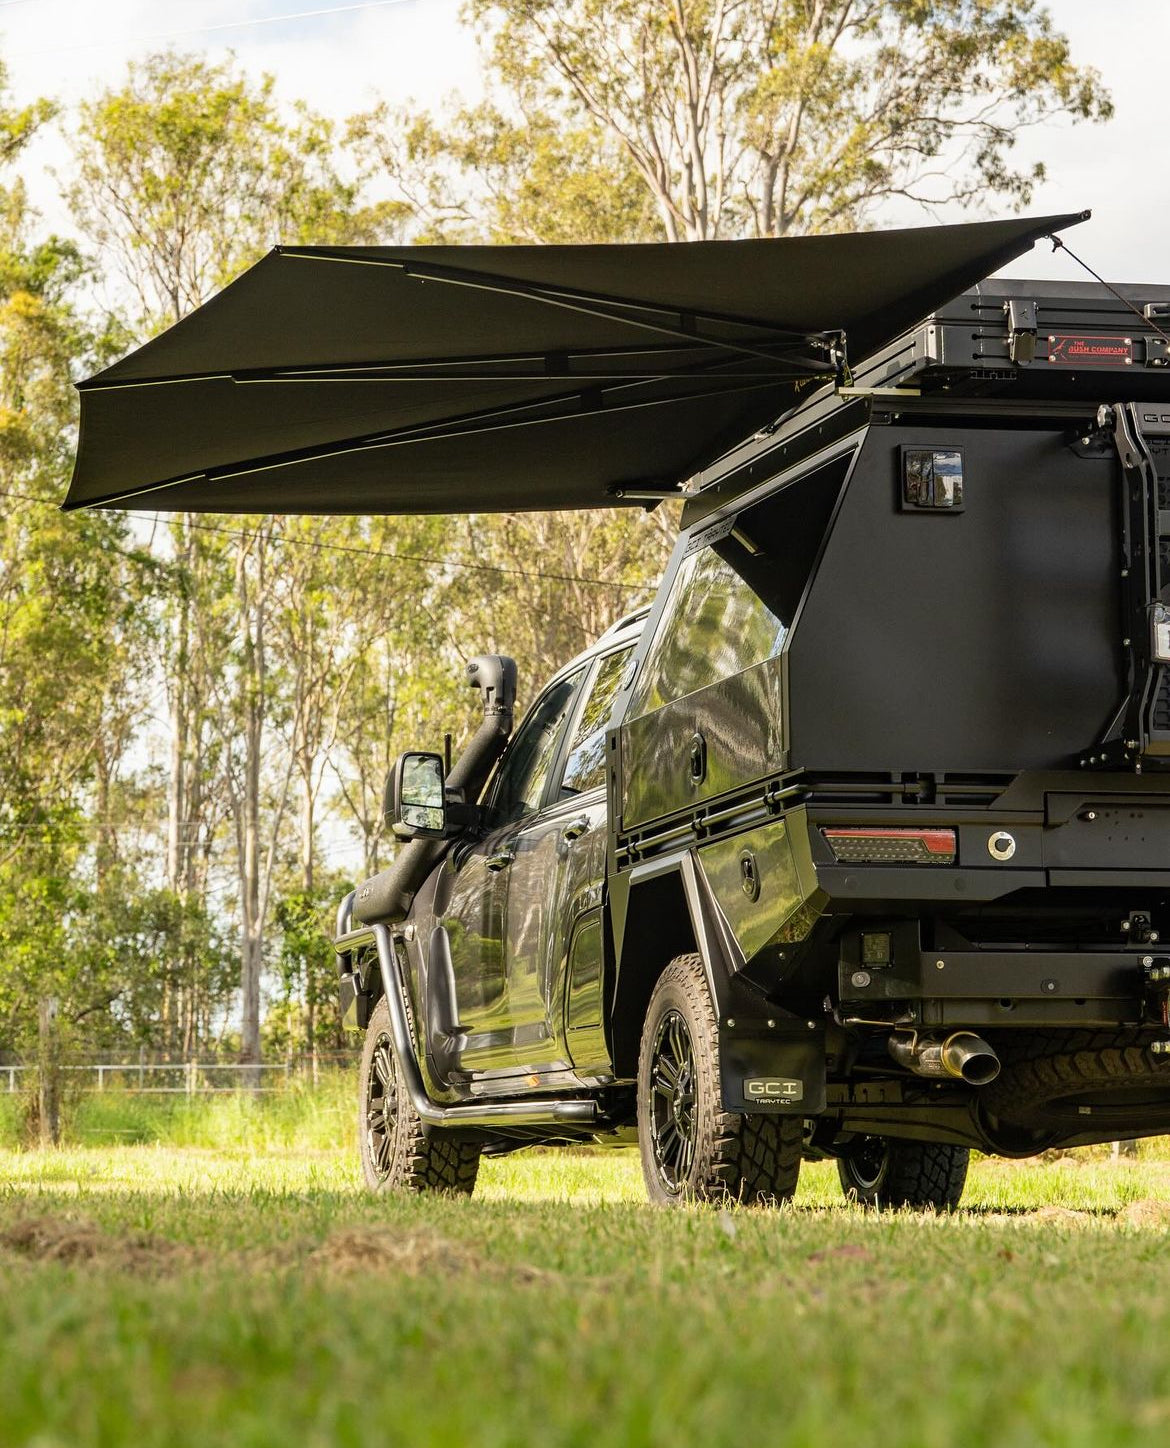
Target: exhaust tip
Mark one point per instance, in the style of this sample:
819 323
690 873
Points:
980 1070
971 1059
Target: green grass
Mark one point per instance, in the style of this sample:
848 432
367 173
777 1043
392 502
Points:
296 1116
155 1295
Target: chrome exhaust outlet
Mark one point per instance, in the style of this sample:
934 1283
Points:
962 1056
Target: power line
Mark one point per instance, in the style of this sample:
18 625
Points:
419 558
203 29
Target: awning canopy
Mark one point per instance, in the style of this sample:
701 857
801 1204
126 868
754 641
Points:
491 379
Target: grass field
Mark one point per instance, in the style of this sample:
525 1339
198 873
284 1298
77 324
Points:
208 1294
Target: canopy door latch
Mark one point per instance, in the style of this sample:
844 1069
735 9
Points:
1021 319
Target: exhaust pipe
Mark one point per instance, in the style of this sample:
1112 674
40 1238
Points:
962 1056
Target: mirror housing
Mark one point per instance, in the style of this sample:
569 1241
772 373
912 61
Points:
415 804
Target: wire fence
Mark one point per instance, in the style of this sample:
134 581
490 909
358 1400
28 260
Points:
177 1078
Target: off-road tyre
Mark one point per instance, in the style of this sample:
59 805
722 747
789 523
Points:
398 1152
746 1158
1065 1082
879 1172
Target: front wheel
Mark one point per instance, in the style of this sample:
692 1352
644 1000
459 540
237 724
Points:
878 1172
691 1148
400 1153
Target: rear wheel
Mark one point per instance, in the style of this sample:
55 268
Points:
691 1148
878 1172
400 1153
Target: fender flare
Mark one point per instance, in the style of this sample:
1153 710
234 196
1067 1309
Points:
771 1060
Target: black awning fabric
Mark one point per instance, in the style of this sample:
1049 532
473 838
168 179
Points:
371 380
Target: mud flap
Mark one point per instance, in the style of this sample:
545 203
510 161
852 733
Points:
770 1060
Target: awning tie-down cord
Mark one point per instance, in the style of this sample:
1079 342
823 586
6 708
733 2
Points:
1058 245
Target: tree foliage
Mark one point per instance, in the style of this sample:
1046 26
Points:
774 117
484 174
195 715
189 171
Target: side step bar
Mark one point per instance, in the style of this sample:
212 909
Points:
476 1113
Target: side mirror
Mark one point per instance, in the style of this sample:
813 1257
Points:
416 802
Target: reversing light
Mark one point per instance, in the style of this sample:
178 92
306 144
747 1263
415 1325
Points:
879 846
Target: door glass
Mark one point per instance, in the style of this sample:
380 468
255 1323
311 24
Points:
520 786
585 766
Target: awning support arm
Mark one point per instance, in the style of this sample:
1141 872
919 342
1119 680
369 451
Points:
614 309
530 367
555 409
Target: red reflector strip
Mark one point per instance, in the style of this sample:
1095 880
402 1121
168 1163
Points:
886 846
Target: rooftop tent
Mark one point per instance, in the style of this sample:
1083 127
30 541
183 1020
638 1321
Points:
484 378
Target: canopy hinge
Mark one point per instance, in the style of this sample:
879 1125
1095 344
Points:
1141 730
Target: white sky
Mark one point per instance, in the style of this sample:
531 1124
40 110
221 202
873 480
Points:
416 49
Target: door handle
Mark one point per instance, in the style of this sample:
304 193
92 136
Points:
500 861
575 830
697 759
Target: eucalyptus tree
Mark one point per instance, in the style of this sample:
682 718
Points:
777 117
185 174
72 633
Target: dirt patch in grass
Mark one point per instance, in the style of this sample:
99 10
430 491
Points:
1050 1215
1147 1212
76 1241
845 1251
1053 1213
415 1254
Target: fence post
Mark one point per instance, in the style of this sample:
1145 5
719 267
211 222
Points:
48 1072
190 1078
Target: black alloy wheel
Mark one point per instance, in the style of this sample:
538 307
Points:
865 1166
398 1152
674 1126
381 1106
692 1149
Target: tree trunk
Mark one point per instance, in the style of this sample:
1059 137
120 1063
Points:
179 695
308 829
253 683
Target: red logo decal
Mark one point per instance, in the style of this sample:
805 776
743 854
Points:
1078 350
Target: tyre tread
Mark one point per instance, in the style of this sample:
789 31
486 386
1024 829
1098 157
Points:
1048 1066
750 1158
919 1175
426 1158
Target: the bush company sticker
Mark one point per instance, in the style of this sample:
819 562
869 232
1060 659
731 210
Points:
1079 349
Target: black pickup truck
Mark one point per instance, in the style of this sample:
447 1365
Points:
857 843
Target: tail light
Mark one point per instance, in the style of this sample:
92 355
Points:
879 846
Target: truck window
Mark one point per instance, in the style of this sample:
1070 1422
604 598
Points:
519 786
585 766
733 601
